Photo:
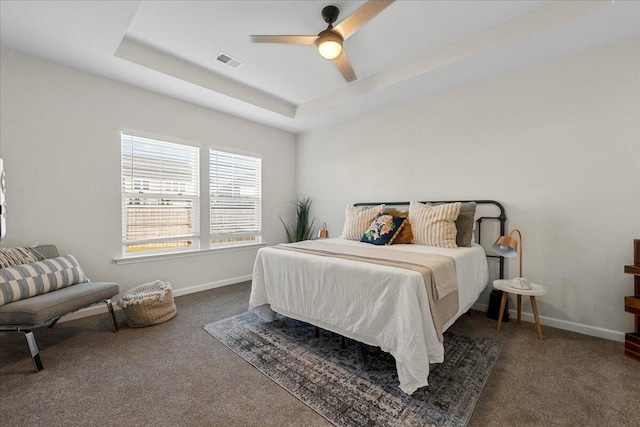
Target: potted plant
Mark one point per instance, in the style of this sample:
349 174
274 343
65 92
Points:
301 226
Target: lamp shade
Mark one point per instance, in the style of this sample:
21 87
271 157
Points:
506 246
329 44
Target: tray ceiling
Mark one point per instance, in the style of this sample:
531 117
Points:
412 49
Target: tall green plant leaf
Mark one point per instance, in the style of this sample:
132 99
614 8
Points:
301 227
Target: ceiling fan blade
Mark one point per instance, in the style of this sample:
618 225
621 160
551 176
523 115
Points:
357 19
284 39
343 64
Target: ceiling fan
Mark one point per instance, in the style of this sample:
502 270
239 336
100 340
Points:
329 42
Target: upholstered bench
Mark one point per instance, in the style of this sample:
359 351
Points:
46 309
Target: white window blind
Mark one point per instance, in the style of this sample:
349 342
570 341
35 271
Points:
160 194
235 186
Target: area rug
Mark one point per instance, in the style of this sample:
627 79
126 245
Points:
358 385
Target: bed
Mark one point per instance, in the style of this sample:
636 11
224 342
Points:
366 293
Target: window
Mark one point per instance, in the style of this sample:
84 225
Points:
235 189
160 195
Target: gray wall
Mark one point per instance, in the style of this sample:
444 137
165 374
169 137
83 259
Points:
60 141
557 143
567 132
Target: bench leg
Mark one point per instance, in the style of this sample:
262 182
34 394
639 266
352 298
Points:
112 314
33 348
52 324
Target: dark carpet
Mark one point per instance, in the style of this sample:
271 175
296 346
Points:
176 374
358 385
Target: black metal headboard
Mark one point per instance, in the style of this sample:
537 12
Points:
502 218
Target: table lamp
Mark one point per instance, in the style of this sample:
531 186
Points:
507 247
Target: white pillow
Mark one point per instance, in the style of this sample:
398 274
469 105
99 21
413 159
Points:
434 225
358 220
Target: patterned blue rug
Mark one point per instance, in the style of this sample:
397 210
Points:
358 385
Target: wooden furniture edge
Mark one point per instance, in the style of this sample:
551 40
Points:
632 305
632 269
632 345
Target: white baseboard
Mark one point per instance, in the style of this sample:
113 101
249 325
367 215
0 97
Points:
564 324
210 285
102 308
527 317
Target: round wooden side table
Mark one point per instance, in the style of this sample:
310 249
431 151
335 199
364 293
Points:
536 290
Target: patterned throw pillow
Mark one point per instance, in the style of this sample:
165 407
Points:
383 229
28 280
358 220
434 225
405 235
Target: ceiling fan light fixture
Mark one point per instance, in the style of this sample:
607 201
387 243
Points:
330 49
329 44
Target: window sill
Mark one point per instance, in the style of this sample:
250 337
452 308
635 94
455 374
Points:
191 253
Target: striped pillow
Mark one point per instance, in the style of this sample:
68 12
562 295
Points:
434 225
28 280
358 220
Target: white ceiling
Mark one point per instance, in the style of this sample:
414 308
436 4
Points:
412 49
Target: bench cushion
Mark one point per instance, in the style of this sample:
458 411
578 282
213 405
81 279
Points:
38 309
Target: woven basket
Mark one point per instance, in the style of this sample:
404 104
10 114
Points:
148 304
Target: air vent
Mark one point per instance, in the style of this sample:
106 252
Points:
229 61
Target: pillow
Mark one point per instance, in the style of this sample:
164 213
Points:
28 280
404 235
434 225
383 229
358 220
464 223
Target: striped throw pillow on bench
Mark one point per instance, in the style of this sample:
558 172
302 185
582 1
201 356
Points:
28 280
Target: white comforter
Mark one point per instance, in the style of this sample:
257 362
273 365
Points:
379 305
